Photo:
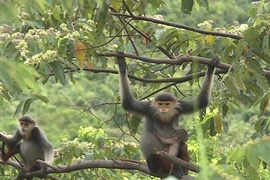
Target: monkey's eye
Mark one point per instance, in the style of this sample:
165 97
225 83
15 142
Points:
167 104
160 103
23 124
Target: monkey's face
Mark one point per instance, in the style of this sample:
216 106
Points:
165 111
165 106
26 127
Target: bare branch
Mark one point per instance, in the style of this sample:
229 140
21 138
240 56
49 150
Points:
143 18
108 164
48 165
178 61
178 161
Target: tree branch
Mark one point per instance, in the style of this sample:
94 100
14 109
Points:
89 164
143 18
179 162
177 61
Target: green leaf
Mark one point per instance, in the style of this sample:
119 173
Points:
42 98
238 76
102 16
252 173
5 77
56 13
18 108
225 109
59 72
134 124
218 123
26 105
231 85
1 100
252 153
167 36
203 3
186 6
116 4
258 126
266 43
264 149
236 155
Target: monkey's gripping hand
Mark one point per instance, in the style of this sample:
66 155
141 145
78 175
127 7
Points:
215 60
120 60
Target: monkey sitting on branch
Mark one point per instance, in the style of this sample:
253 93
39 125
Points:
31 143
161 121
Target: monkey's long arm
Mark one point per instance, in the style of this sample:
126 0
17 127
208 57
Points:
203 97
128 101
11 141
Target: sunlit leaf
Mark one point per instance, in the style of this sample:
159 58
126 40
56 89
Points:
218 123
90 64
264 105
116 4
209 39
80 52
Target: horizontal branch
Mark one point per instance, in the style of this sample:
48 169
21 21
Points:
177 61
179 162
108 164
162 80
157 21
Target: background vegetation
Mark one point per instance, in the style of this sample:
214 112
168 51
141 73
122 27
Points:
53 57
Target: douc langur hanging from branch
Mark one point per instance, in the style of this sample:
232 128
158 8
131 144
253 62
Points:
161 121
31 143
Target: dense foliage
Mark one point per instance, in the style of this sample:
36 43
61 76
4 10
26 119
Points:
50 51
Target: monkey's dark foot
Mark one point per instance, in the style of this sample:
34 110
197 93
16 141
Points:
178 172
215 60
21 175
43 170
120 60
